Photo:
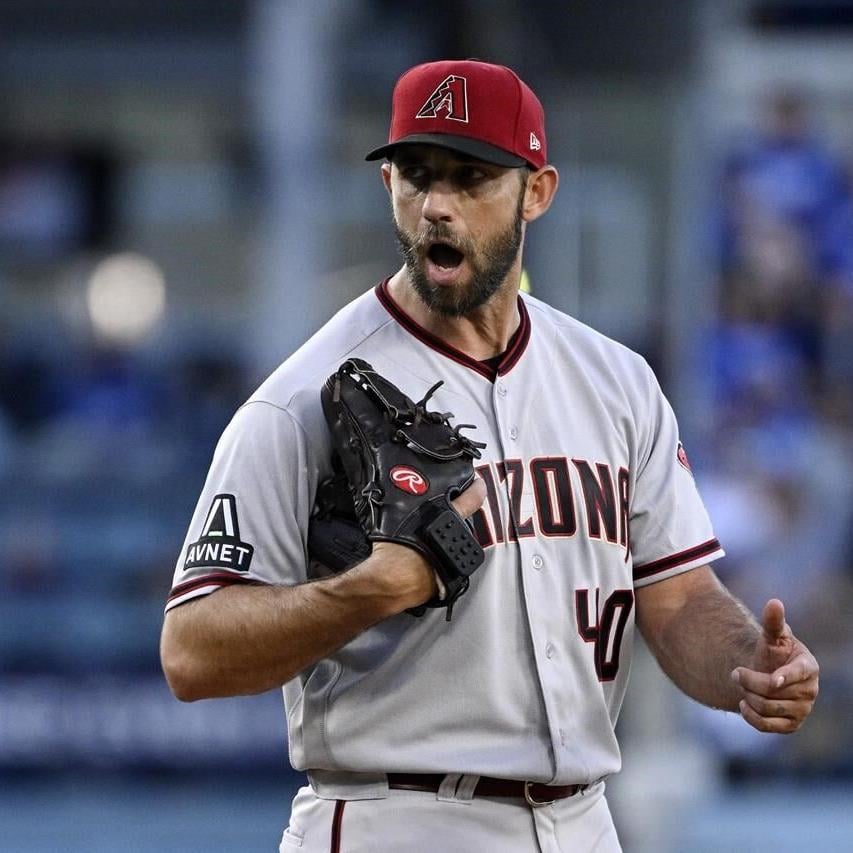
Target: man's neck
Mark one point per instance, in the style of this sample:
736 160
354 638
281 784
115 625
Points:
482 334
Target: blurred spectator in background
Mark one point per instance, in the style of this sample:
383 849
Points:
785 245
26 399
785 175
106 391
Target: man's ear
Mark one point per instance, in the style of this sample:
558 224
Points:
539 192
386 176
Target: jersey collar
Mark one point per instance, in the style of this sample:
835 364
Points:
515 348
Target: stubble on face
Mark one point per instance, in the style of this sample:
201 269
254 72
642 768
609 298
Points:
489 265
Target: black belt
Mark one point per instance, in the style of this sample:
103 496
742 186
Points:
535 793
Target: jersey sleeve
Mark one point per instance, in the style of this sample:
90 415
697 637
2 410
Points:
250 523
670 530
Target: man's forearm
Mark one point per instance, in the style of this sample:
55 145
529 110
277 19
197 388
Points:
699 638
248 639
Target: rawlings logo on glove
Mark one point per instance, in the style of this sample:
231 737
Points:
409 480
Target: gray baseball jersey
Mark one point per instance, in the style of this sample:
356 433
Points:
589 496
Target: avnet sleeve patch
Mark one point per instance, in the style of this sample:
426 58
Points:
220 546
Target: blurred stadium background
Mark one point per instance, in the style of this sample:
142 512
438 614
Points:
183 200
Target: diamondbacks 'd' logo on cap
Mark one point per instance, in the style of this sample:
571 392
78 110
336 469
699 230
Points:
219 546
450 96
409 480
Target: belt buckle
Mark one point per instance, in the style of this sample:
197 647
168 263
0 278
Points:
534 803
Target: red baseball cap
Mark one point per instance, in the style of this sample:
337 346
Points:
479 109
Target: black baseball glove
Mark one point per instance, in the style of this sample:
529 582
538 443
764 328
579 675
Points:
397 466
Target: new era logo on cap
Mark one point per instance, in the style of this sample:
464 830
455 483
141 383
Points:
476 108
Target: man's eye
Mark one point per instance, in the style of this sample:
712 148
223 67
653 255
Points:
471 175
413 174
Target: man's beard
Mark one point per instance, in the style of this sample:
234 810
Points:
488 270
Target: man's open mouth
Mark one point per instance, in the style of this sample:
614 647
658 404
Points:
445 256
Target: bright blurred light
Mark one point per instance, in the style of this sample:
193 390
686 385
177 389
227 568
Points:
126 298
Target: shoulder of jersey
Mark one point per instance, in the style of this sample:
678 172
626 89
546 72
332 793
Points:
308 367
586 342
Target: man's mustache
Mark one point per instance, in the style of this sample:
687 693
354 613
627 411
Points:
438 234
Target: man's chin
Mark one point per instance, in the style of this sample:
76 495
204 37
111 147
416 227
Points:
446 305
454 300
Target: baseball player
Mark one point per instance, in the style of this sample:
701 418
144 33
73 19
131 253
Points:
493 731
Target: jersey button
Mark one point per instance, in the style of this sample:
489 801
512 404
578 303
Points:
537 561
501 389
513 433
549 651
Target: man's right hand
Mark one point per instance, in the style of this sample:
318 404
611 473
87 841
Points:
406 575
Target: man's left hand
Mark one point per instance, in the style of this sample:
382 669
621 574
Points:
780 689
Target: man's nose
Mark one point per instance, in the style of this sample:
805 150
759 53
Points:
438 203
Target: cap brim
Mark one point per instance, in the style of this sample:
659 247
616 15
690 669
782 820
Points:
462 144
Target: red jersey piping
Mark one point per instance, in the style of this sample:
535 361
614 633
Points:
337 826
679 559
211 579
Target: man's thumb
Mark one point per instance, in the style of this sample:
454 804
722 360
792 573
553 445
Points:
773 619
471 499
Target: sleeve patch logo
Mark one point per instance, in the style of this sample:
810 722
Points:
682 458
219 546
